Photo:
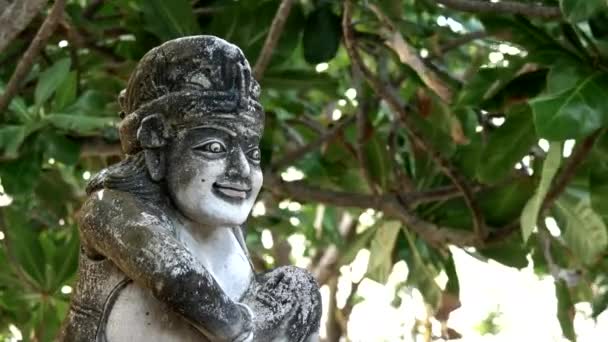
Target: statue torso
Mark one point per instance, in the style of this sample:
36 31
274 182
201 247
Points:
118 309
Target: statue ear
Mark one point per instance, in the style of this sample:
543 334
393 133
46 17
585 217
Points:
151 137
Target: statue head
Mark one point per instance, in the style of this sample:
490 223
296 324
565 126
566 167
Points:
191 114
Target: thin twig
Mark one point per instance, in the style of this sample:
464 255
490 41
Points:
457 42
276 28
25 64
397 107
16 17
298 153
503 7
363 132
581 151
409 56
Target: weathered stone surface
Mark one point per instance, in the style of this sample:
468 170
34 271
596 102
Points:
163 256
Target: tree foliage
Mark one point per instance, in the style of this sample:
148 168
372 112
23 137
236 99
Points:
448 122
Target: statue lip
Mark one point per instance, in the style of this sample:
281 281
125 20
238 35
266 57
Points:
232 190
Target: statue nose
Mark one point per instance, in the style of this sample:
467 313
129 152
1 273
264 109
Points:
238 164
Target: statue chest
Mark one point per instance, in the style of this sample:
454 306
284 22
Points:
136 316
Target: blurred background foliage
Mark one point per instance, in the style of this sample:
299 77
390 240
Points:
401 127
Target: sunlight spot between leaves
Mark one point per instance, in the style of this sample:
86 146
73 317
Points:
298 249
5 200
65 289
292 174
268 259
497 121
568 147
294 221
508 49
283 204
441 279
341 102
552 226
1 235
495 57
259 209
86 175
358 267
61 222
478 128
51 161
63 43
294 206
544 144
351 93
17 336
424 53
367 218
325 294
267 241
336 114
454 25
321 67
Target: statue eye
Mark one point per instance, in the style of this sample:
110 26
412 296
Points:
212 147
254 154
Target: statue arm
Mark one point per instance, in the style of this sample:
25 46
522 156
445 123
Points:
117 226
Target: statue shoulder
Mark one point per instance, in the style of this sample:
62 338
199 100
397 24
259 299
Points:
109 206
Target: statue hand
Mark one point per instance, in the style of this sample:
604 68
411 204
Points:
287 304
246 335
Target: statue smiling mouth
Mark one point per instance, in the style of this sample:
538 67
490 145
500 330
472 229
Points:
231 190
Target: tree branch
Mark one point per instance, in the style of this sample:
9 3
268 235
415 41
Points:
16 17
397 107
276 28
298 153
503 7
409 56
25 64
98 147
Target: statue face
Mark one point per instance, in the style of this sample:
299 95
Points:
214 173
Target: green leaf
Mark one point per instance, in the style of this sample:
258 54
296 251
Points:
60 148
529 216
572 113
578 10
565 310
510 253
21 175
25 247
66 93
598 189
78 123
585 234
50 79
381 251
322 34
507 145
11 137
422 273
169 19
377 161
501 204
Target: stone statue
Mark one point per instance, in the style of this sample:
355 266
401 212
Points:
163 256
